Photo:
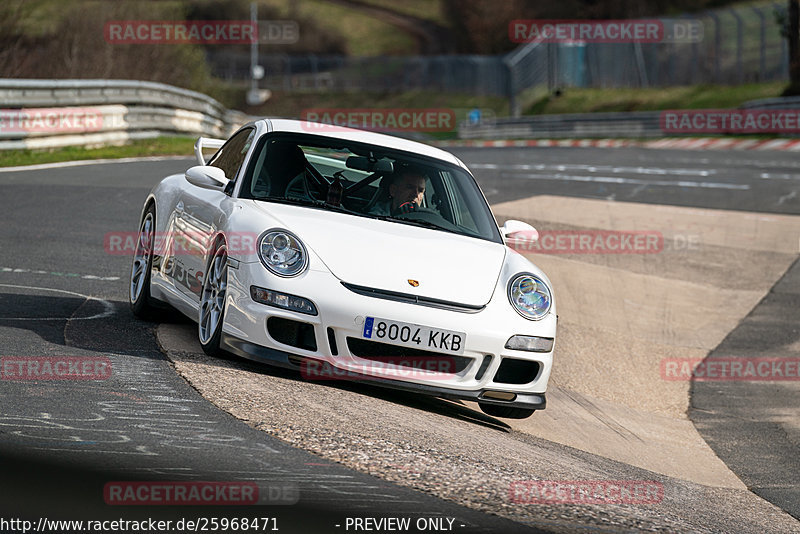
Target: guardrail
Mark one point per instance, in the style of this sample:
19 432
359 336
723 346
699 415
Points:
55 113
583 125
635 124
784 102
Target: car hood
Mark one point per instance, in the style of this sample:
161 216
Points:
386 255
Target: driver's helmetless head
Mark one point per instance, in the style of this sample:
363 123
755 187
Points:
408 186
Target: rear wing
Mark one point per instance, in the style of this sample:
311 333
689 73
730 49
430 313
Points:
206 143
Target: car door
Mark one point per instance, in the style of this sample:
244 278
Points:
201 212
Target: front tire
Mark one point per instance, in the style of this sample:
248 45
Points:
139 292
507 412
212 302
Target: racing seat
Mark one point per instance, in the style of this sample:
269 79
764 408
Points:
285 161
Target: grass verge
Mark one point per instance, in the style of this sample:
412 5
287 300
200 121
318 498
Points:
684 97
285 104
160 146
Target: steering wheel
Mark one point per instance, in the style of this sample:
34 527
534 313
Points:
373 200
300 178
419 210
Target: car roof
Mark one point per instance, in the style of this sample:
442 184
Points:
361 136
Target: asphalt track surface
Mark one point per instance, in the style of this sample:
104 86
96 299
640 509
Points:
61 441
737 419
730 180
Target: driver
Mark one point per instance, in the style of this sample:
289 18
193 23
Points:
406 192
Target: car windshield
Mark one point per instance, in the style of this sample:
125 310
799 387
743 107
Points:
368 181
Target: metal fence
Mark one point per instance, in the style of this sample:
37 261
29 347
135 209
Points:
472 74
739 45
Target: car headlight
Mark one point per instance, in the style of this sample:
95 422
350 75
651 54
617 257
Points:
530 296
282 253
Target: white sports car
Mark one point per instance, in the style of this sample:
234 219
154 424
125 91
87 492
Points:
349 254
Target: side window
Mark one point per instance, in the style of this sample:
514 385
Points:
460 203
230 157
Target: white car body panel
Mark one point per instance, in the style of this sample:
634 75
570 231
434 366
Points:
360 251
385 255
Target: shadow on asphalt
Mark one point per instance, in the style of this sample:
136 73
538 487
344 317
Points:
448 408
59 320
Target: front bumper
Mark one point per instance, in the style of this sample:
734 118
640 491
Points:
483 367
533 401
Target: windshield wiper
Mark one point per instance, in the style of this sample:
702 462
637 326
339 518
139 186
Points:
314 203
424 224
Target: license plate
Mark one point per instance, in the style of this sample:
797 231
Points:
414 335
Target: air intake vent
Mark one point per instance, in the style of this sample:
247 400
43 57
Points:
396 355
513 371
487 360
413 299
292 333
332 342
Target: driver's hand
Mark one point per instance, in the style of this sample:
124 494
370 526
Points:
406 207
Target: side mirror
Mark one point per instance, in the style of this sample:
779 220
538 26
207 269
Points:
207 177
518 232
